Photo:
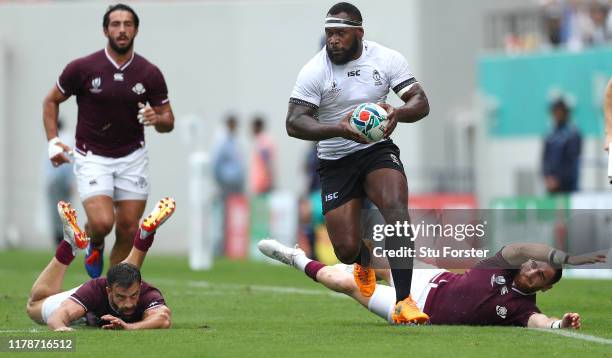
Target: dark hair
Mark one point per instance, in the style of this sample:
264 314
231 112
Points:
259 123
116 7
351 10
557 276
123 274
560 104
231 118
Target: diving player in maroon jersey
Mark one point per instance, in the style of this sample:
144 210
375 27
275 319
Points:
119 301
118 92
499 291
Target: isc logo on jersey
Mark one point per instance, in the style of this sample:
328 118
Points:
369 119
330 197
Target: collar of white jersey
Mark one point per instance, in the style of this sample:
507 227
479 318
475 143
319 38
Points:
331 21
120 68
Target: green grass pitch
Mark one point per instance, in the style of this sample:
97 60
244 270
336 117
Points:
254 309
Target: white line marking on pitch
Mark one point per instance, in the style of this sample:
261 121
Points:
32 330
570 334
258 288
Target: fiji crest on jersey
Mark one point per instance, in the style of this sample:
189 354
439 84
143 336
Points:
377 78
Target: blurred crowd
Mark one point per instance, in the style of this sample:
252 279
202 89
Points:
566 24
576 24
230 167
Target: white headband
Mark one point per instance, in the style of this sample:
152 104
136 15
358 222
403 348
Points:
338 22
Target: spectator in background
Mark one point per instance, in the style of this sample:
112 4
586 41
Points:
583 23
227 160
574 25
552 24
311 214
59 184
598 34
262 159
310 167
609 20
562 147
229 173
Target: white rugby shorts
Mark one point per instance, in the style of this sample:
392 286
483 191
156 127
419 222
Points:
125 178
52 303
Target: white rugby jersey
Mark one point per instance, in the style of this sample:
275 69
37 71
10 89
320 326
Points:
335 90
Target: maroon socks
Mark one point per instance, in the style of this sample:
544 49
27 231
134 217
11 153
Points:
143 244
312 268
63 253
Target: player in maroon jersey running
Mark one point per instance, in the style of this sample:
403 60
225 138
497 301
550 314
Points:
119 301
498 291
118 92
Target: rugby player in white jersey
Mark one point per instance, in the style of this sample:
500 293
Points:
347 72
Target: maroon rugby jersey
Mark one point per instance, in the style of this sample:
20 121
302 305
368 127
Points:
93 297
483 295
108 97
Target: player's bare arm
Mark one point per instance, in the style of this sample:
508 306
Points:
154 318
50 113
608 114
161 117
301 124
569 320
68 312
415 108
516 254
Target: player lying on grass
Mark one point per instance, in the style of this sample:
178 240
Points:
499 291
119 301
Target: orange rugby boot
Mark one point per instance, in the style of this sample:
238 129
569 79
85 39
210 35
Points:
73 234
407 312
162 212
365 278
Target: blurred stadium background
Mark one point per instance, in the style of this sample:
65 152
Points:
490 69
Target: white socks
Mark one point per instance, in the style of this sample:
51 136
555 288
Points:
300 262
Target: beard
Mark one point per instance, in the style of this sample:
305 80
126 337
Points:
346 56
118 49
122 311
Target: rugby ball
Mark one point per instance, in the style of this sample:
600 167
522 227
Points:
369 119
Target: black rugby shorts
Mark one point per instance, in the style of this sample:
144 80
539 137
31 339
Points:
343 179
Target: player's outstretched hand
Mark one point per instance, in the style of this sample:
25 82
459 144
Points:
586 259
114 322
59 153
571 320
146 115
391 119
64 329
348 132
